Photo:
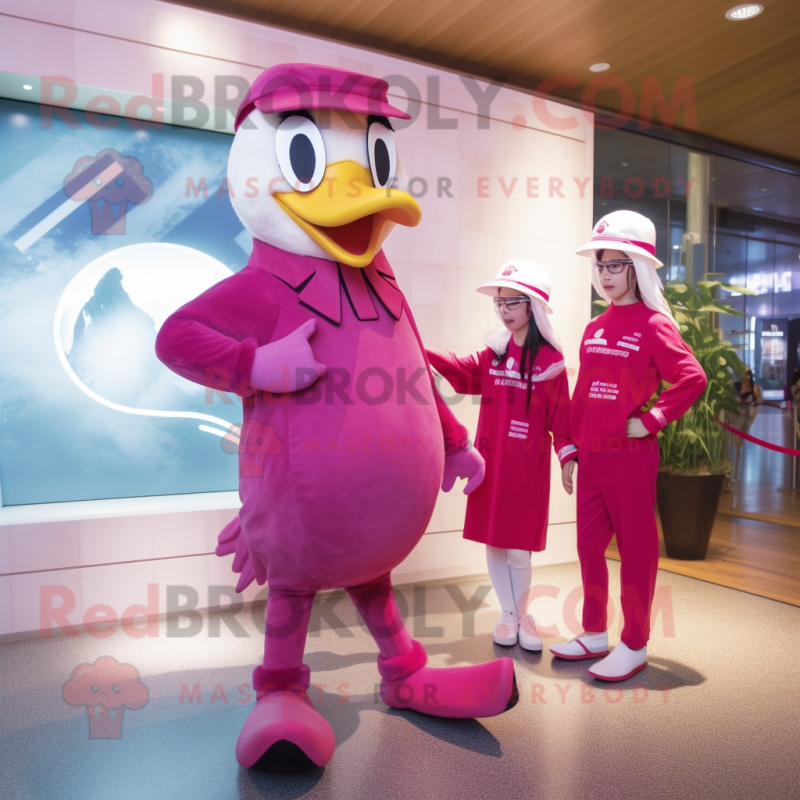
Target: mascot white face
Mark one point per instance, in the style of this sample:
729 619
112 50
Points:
320 183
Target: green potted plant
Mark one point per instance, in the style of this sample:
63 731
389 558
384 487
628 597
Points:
694 449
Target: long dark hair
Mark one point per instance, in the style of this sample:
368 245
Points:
530 349
599 254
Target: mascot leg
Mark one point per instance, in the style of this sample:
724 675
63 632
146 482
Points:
284 732
480 690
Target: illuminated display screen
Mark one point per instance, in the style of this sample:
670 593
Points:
103 233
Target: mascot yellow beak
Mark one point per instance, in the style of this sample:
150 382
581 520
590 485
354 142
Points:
347 216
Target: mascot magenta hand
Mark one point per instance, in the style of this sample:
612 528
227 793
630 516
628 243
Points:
345 439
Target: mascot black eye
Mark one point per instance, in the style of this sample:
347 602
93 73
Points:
382 154
301 153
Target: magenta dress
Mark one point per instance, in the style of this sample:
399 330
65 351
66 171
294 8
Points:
510 508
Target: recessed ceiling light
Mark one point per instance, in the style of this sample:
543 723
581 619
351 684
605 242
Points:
624 163
746 11
763 188
27 87
599 67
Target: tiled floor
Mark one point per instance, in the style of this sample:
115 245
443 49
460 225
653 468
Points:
713 716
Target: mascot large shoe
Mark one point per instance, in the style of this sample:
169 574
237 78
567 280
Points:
345 440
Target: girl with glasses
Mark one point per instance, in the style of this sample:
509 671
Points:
625 354
524 399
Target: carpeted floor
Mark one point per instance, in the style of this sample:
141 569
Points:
715 715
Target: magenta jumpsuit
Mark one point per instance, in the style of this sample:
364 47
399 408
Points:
510 508
625 354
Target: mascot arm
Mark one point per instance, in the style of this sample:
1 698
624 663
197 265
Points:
213 339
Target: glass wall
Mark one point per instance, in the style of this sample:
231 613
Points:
717 218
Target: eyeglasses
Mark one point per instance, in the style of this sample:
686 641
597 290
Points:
511 303
614 267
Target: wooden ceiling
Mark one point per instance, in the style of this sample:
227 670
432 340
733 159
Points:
746 75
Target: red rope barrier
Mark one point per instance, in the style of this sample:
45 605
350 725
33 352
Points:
787 450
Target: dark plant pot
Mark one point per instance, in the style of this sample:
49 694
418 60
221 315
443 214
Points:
687 505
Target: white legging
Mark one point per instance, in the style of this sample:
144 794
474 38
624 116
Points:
510 571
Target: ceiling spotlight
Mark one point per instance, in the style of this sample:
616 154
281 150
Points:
746 11
27 87
600 67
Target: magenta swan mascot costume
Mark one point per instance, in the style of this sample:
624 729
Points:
345 441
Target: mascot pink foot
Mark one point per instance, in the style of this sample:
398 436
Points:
482 690
338 477
285 733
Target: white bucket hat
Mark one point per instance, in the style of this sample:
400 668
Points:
626 231
533 280
524 276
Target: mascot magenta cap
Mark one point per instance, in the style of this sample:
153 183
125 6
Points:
288 87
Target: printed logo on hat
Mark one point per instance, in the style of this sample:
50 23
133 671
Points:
635 233
509 270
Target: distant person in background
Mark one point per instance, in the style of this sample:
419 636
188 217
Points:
795 387
750 392
750 399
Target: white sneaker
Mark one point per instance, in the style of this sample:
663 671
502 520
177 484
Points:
529 638
582 646
623 663
506 630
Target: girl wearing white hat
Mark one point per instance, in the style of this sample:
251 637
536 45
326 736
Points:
625 354
524 398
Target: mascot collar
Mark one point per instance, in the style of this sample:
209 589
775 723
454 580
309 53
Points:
319 283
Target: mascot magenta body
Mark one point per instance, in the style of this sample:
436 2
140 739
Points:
345 440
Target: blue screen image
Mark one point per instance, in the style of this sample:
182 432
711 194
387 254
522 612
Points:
103 234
